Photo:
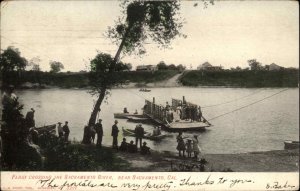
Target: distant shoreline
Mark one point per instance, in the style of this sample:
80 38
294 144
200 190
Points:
165 78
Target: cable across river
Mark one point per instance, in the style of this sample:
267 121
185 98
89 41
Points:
247 105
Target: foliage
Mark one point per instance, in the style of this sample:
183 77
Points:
17 153
255 65
242 78
157 20
162 65
11 64
55 66
100 77
11 60
61 156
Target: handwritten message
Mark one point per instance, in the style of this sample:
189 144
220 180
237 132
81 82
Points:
162 181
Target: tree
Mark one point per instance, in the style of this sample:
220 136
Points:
255 65
55 66
129 66
157 20
162 66
11 60
180 67
11 66
171 67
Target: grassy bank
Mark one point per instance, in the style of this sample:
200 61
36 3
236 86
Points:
244 78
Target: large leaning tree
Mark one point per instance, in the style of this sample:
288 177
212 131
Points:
141 21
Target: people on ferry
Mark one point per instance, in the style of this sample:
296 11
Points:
125 110
145 150
159 130
199 114
155 132
167 106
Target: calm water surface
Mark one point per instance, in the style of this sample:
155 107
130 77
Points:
259 127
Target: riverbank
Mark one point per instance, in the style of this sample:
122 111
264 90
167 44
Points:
164 78
267 161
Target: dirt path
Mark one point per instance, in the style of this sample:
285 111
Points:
171 82
269 161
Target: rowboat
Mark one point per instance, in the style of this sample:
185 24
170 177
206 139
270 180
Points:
47 128
145 90
139 120
130 132
291 144
126 115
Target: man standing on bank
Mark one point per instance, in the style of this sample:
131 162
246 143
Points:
66 131
139 133
99 131
114 134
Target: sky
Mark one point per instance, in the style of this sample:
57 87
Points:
227 33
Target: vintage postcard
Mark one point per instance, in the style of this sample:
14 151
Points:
149 95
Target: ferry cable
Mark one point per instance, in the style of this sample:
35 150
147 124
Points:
231 100
247 105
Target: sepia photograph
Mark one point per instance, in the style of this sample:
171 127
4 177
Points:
149 95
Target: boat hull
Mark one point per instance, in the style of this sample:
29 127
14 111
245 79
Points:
47 128
180 126
127 115
129 132
291 145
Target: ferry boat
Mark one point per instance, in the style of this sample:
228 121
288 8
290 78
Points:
175 117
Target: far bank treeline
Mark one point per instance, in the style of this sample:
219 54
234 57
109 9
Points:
243 78
13 72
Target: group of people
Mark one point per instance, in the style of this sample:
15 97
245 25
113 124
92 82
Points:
190 146
192 113
132 148
63 131
126 111
90 132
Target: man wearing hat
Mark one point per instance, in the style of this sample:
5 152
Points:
30 118
145 150
139 133
99 131
114 134
66 131
60 130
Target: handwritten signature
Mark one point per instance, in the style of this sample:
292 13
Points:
277 185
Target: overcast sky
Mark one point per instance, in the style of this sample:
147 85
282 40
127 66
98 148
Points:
228 33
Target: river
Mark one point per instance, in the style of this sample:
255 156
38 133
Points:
259 127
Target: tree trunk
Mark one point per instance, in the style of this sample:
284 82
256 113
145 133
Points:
96 109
